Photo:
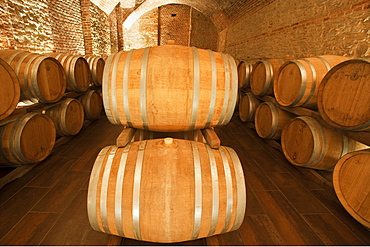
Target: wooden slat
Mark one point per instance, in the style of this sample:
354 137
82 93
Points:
125 137
211 138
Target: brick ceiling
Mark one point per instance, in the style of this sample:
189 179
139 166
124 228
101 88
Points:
221 12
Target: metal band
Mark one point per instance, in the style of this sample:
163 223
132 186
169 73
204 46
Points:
326 63
269 76
345 148
63 114
215 190
113 89
126 106
213 91
314 81
11 58
197 191
119 190
229 189
93 189
17 68
136 191
240 189
315 129
34 81
104 190
226 89
304 82
233 92
143 74
196 88
105 88
16 140
31 81
274 120
2 154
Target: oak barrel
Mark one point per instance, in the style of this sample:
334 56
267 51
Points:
29 139
10 90
166 190
308 144
77 71
244 71
263 76
247 107
352 184
41 78
96 65
298 81
92 103
170 88
68 116
270 120
344 95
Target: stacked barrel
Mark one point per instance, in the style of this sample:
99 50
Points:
176 188
42 97
310 106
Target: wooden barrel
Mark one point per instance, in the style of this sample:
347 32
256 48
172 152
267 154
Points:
308 144
298 81
170 88
352 185
166 190
92 103
344 95
270 120
68 116
41 78
263 76
29 139
10 90
247 107
193 135
77 71
96 65
244 70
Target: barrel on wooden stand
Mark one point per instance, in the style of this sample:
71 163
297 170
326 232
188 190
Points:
270 120
41 78
352 185
298 81
170 88
306 143
10 90
263 76
344 95
96 65
68 116
247 107
166 190
29 139
77 71
92 103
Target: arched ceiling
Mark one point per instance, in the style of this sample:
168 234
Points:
219 11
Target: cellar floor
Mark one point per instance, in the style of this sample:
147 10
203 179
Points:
286 205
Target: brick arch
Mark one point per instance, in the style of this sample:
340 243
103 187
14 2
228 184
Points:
207 7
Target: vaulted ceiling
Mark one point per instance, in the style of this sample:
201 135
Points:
221 12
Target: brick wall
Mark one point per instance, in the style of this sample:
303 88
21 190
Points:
295 29
174 24
203 32
143 33
71 26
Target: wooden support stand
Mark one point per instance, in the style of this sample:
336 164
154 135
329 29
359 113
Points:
125 137
211 138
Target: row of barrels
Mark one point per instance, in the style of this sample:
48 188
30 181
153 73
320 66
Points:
340 91
32 78
336 86
31 137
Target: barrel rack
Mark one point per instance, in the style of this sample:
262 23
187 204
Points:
323 177
19 171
